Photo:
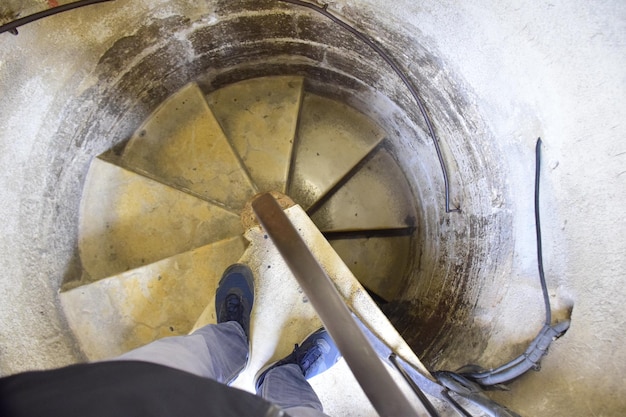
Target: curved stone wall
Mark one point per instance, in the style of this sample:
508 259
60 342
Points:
493 78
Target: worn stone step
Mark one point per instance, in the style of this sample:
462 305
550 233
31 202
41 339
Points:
165 298
376 197
332 139
379 263
127 220
182 144
260 116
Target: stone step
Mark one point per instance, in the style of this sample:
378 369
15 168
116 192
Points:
183 145
376 197
379 263
128 220
119 313
332 139
260 116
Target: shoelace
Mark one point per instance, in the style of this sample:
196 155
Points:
233 307
309 358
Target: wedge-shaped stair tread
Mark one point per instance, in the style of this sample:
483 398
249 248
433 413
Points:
114 315
376 197
128 220
259 116
183 145
378 263
332 139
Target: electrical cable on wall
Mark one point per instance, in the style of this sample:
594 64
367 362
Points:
538 348
11 27
405 80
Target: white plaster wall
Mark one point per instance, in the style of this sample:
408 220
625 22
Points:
555 70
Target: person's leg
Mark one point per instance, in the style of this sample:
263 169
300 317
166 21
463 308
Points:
287 387
216 351
285 384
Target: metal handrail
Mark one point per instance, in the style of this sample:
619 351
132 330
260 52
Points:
368 369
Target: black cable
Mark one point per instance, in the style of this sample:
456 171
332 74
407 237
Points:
459 409
428 406
323 10
539 346
12 26
542 277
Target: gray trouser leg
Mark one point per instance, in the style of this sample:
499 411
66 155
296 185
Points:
216 351
287 387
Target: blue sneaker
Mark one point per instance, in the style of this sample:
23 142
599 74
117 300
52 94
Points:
235 295
315 355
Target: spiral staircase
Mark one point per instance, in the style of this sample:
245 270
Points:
165 214
492 77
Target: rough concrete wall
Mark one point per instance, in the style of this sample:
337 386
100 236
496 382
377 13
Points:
557 71
43 163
